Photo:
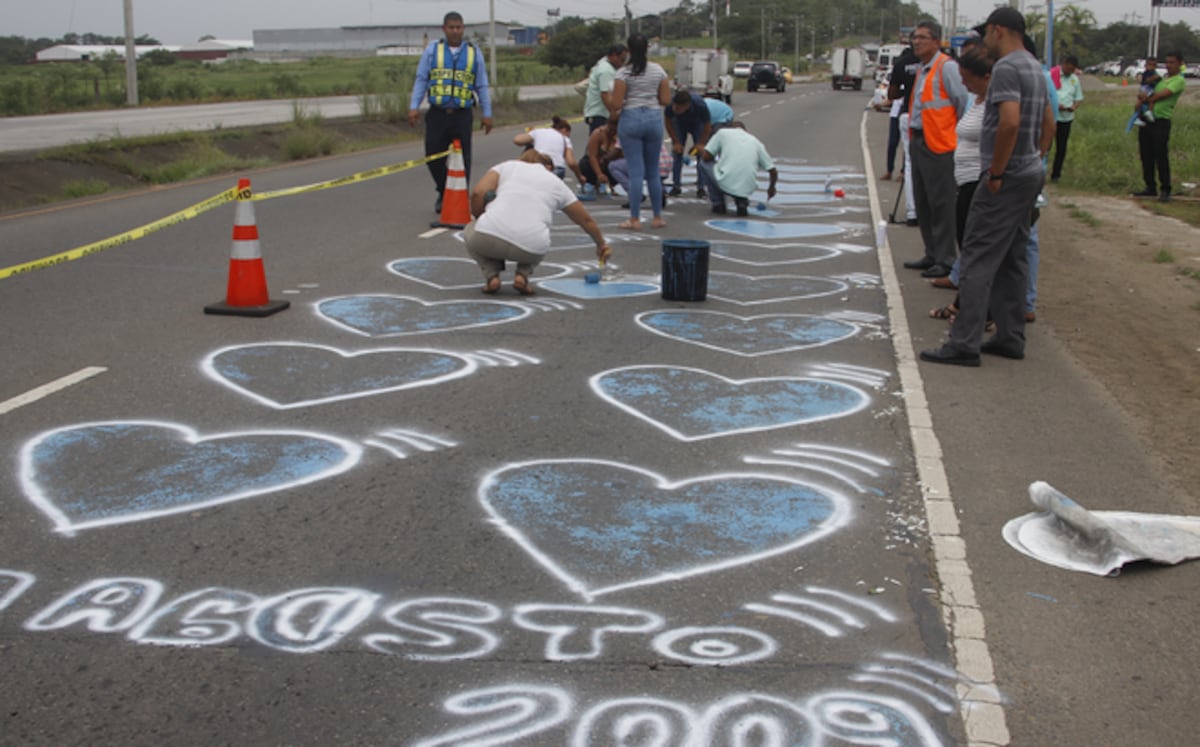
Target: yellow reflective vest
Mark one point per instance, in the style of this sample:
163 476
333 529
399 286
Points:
451 87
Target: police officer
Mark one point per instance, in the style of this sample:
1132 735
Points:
453 75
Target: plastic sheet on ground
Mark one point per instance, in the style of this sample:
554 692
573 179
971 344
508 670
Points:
1067 535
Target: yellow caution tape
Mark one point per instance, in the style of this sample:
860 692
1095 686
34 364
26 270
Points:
361 176
203 207
122 238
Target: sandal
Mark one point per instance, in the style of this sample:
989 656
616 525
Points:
521 285
492 286
658 223
632 224
947 312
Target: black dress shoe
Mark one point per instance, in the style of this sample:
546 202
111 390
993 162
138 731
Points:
700 193
991 347
911 223
936 271
951 356
924 263
743 206
675 192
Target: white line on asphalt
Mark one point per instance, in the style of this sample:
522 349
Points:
983 716
432 233
45 390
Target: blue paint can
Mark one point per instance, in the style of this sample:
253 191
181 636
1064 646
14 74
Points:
684 270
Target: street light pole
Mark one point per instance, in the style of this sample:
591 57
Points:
131 83
492 43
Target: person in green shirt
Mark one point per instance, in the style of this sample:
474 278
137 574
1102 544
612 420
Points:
1154 139
600 86
1070 94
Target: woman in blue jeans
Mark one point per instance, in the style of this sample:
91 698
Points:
640 91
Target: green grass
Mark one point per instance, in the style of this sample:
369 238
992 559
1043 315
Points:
83 188
1083 216
1103 159
1164 256
44 89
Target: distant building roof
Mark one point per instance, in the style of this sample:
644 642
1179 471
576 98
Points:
67 52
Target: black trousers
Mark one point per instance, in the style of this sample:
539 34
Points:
893 142
595 123
962 208
1153 140
442 128
1062 133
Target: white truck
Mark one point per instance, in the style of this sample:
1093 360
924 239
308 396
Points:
704 71
887 58
848 66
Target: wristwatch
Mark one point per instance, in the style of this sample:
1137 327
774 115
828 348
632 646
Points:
994 177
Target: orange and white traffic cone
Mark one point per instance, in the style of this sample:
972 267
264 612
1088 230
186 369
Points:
456 202
246 294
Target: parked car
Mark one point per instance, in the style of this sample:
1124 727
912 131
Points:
766 74
1112 68
1135 69
741 68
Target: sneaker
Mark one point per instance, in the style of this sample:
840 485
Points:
1139 122
720 209
911 222
675 192
701 193
1148 115
1164 196
437 206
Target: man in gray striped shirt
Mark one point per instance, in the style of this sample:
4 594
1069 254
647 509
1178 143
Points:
1018 127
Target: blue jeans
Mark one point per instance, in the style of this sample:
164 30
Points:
1031 256
696 132
641 134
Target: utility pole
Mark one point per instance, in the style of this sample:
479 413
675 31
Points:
796 63
492 36
762 12
628 16
713 6
131 83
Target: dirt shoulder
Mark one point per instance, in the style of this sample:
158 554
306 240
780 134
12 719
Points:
1120 287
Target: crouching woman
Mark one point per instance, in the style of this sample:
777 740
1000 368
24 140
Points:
514 225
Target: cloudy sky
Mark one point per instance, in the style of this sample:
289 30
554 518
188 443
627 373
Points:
183 21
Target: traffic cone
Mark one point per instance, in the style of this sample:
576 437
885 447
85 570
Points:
456 203
246 294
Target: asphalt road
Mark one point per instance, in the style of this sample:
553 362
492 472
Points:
401 512
50 130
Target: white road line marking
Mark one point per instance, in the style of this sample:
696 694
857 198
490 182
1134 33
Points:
431 234
984 719
45 390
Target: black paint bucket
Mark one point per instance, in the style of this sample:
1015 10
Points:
684 270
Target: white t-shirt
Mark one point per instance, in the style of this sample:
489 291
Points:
967 166
526 200
739 157
551 142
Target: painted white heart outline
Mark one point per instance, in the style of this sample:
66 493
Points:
838 517
557 269
523 308
208 366
824 252
854 329
837 286
594 383
27 472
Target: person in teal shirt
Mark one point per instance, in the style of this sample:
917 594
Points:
738 157
1070 94
1155 137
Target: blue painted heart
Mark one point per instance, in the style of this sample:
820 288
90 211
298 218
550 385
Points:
746 335
601 526
761 229
450 273
691 404
292 374
746 290
578 288
394 316
99 474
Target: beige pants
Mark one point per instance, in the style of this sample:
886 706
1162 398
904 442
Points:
491 253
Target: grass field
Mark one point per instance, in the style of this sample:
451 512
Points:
44 89
1103 159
